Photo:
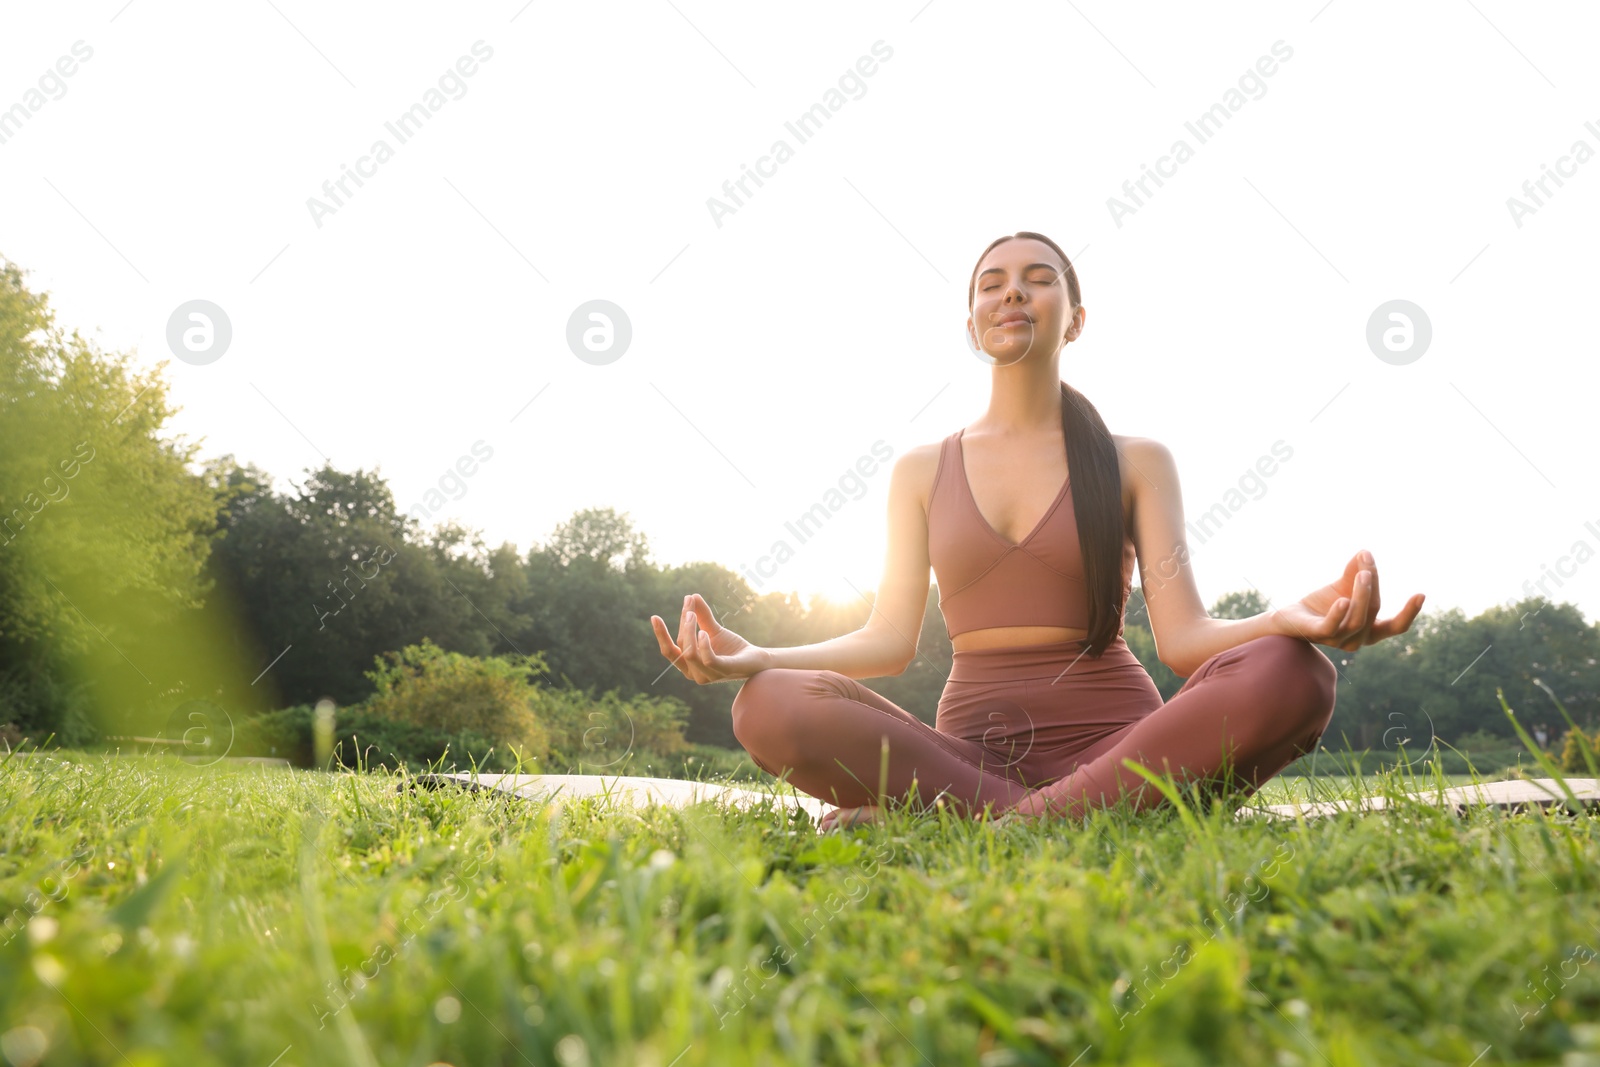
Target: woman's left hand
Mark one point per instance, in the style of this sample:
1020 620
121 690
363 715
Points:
841 817
1344 614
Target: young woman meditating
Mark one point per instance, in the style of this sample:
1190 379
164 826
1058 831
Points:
1031 519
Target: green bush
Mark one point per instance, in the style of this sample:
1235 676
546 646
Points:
603 733
1491 762
362 740
36 704
283 734
424 686
1575 744
431 705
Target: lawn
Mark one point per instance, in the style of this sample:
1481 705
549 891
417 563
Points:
160 913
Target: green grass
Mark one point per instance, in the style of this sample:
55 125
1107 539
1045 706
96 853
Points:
170 914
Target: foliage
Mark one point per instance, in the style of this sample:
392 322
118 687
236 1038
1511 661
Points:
427 687
432 705
365 741
602 730
1579 751
104 529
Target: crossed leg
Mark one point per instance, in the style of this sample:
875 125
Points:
828 732
1245 715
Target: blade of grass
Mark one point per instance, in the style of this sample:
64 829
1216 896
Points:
1538 753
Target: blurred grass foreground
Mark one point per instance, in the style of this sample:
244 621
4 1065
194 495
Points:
159 912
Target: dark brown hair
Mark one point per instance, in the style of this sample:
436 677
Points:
1096 482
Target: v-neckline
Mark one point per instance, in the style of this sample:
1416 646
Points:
961 463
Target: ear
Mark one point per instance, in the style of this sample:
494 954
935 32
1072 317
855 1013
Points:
1075 327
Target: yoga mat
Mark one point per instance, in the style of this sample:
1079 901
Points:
1510 795
627 790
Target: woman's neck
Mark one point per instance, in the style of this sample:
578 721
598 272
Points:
1024 397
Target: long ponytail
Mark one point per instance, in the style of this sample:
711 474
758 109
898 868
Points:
1097 503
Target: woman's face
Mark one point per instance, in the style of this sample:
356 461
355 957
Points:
1020 306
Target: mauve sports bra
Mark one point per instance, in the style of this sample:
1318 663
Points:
986 581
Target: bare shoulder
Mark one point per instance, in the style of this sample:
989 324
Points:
916 469
1134 449
1144 463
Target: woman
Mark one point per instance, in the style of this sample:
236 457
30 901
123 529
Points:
1031 519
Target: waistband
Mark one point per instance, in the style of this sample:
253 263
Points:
1026 662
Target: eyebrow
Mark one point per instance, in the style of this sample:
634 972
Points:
1030 266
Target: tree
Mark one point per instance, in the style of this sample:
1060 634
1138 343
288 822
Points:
332 576
104 528
1244 605
602 535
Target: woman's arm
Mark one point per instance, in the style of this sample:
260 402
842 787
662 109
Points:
887 643
706 651
863 653
1205 637
1185 635
1342 614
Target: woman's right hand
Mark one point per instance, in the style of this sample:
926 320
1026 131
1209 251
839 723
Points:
706 651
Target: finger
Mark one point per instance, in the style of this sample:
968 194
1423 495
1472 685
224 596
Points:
1360 598
1327 631
1367 615
1372 608
693 645
672 651
683 624
708 621
1353 568
1355 620
708 657
1401 622
668 647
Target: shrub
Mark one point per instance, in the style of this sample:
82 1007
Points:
603 732
450 694
1575 744
35 704
362 740
430 704
284 734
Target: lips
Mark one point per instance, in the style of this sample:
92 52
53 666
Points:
1013 317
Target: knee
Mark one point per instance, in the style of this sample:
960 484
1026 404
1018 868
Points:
763 709
1298 674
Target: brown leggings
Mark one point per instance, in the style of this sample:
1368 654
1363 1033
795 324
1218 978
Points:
1042 729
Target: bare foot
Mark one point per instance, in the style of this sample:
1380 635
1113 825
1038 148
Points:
839 818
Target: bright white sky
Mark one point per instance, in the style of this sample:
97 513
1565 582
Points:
768 354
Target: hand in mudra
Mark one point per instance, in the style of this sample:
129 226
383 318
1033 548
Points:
706 651
1344 614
